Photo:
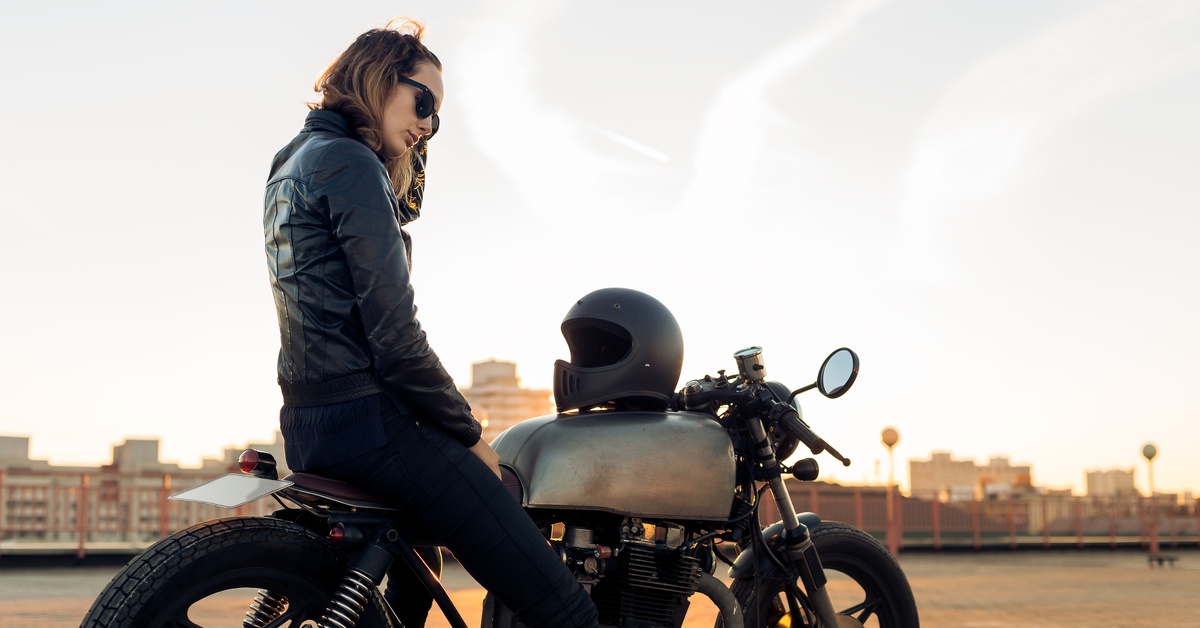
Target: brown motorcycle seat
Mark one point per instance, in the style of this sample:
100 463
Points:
334 488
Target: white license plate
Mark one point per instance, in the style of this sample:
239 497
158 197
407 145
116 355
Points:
232 490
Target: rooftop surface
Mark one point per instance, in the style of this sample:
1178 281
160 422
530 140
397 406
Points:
1096 588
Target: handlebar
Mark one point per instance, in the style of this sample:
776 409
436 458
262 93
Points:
716 391
790 420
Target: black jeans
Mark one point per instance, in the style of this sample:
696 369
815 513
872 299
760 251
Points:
458 499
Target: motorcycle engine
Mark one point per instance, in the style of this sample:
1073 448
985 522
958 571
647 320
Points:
643 579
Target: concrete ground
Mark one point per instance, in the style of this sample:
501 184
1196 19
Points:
1094 588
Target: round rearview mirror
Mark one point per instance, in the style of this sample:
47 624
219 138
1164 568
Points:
838 373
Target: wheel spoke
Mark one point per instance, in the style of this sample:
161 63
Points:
867 607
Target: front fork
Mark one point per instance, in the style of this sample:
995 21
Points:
800 548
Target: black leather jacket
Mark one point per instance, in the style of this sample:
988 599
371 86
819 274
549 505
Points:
339 265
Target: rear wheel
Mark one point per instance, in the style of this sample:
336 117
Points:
212 573
866 584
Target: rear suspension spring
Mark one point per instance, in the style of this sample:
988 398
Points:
349 601
266 606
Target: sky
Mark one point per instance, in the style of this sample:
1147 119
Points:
994 203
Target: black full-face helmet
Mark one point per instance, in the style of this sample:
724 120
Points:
626 348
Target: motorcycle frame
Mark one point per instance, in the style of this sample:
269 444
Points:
381 539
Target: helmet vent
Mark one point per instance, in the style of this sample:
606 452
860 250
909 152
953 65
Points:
570 383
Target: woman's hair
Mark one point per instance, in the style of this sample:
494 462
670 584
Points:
358 83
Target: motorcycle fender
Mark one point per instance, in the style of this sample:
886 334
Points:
743 565
231 491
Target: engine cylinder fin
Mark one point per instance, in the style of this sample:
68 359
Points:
655 584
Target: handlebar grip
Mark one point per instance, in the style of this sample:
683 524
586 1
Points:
791 422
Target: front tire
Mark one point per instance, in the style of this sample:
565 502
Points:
187 578
866 583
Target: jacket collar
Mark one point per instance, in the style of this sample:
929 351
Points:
332 121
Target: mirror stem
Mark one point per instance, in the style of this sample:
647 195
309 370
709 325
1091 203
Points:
800 390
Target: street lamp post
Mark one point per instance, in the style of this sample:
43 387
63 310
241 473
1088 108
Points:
890 437
1150 451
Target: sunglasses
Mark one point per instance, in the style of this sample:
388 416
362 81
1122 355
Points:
425 105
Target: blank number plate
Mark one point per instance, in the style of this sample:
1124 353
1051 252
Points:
232 490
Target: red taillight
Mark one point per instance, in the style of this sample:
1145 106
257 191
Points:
259 463
344 535
248 460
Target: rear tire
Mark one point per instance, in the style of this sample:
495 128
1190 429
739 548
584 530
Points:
174 581
865 583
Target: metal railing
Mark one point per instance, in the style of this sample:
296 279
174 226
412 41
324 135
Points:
1010 521
63 512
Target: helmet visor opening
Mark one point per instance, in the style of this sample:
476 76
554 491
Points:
596 343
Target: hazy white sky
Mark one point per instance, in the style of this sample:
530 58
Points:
994 203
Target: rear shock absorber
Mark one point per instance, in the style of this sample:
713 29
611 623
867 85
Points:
349 601
266 607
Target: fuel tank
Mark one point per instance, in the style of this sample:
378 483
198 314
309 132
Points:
671 465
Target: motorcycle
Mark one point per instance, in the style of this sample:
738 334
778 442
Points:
640 505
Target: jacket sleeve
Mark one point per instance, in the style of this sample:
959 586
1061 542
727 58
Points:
353 185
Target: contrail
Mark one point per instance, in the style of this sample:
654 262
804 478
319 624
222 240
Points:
628 143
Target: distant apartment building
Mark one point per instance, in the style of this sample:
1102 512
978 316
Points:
14 453
944 479
499 401
124 501
999 477
137 454
1111 483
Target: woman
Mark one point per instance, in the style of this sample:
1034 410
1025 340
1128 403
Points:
366 399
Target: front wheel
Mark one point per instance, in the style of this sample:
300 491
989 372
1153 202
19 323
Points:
211 574
866 584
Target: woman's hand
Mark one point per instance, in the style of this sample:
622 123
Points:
484 452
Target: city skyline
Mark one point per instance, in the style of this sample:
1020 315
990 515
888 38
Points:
994 204
829 472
